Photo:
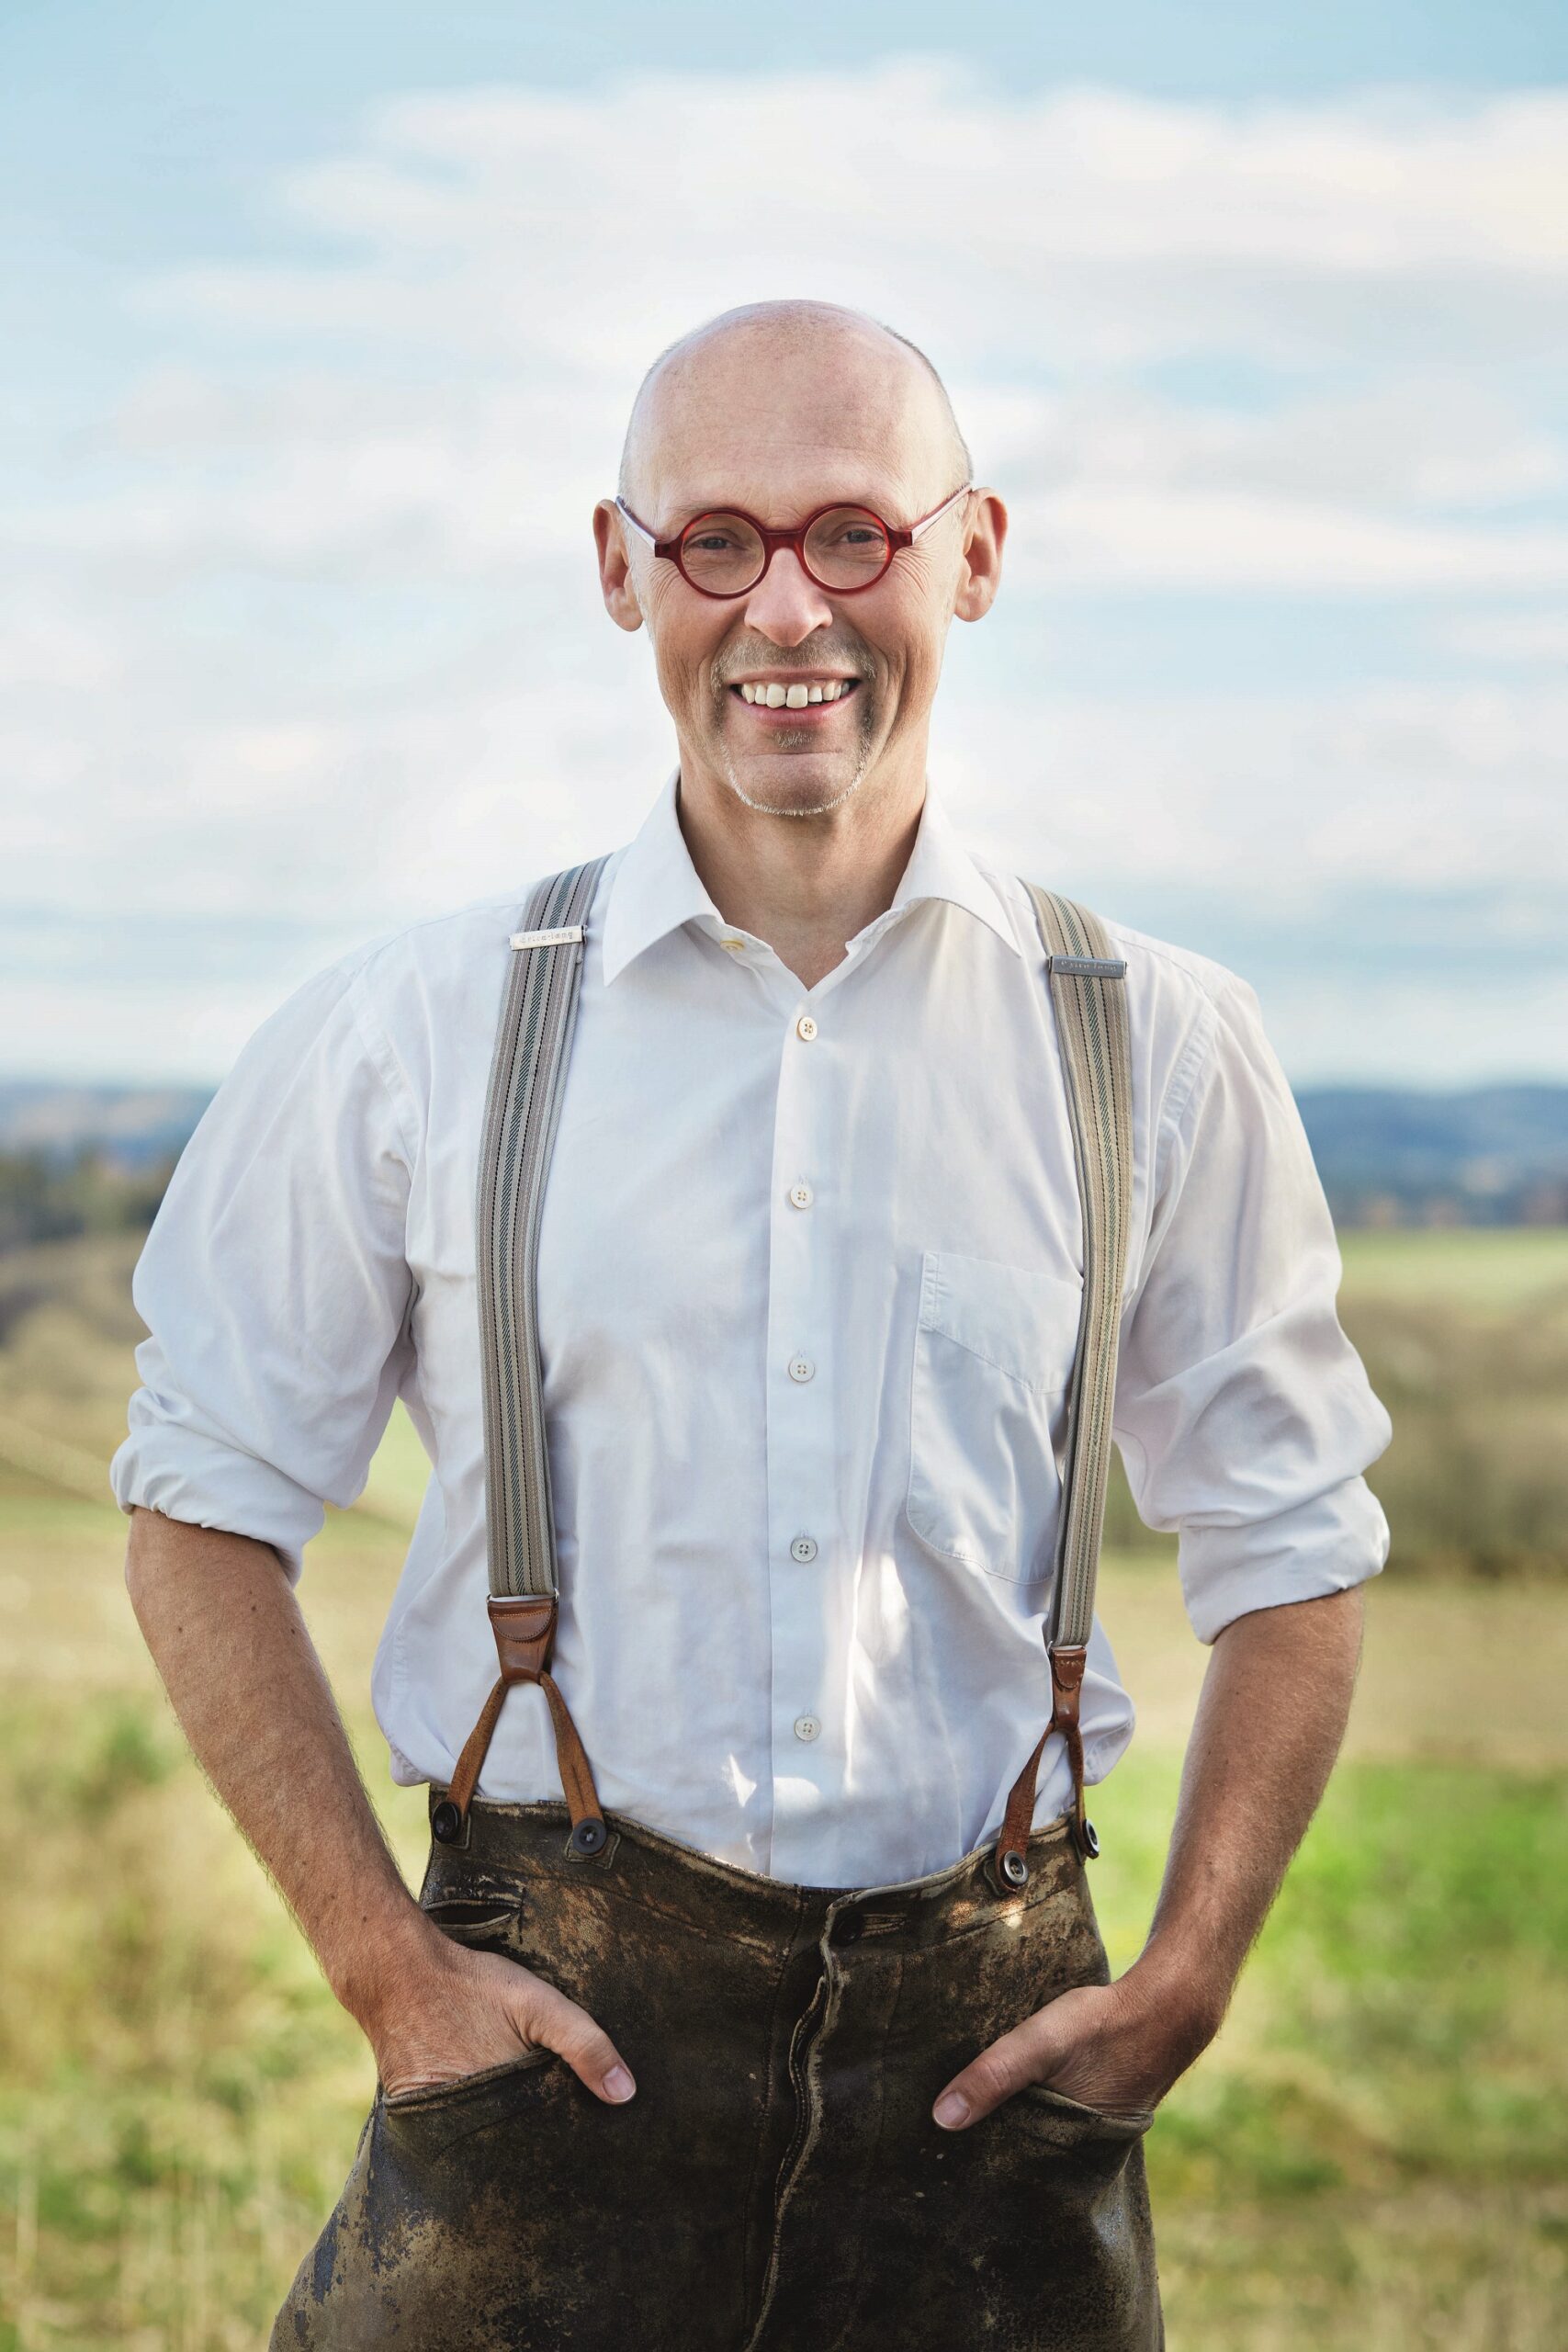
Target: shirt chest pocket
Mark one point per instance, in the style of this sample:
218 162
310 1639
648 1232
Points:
993 1352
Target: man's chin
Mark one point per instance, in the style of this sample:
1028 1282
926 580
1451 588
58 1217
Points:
806 783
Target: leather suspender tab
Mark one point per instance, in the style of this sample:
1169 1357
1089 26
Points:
524 1629
1069 1661
1068 1666
1067 1682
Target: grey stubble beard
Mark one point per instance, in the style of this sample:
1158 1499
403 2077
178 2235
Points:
817 807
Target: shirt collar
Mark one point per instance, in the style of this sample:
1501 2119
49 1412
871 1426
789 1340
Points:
655 887
940 867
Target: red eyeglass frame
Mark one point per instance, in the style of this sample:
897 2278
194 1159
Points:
794 540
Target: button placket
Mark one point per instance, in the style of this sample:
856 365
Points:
802 1445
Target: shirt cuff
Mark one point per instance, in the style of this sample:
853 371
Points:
1325 1544
207 1483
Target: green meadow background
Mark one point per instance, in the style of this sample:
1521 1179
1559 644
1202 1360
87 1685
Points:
1373 2155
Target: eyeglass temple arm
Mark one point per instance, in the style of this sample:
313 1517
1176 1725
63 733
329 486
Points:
927 520
649 536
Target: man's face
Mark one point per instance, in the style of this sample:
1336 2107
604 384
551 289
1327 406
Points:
779 429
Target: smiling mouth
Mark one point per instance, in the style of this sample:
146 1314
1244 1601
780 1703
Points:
795 699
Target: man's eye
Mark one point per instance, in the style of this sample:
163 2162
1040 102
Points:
710 543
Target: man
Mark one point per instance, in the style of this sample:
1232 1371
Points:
784 2061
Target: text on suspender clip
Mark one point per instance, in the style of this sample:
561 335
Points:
568 936
1088 967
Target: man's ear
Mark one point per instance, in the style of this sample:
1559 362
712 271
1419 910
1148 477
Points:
981 575
615 566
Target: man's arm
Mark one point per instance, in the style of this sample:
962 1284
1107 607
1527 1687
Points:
226 1634
1274 1705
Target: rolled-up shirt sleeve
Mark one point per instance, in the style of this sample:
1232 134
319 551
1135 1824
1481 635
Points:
274 1285
1243 1415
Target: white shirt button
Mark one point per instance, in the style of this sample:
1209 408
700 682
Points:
803 1548
801 1368
806 1726
735 946
806 1027
801 1196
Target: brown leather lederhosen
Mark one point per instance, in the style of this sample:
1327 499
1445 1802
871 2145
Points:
778 2181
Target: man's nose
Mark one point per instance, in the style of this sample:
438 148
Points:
786 606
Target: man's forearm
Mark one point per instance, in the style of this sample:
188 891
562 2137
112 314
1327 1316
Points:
1269 1722
225 1631
226 1634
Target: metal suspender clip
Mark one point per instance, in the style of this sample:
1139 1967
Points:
1084 967
568 934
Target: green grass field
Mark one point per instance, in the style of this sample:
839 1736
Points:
1373 2155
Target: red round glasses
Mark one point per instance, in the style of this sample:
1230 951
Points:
724 552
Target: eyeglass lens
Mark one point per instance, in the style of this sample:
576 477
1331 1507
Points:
846 548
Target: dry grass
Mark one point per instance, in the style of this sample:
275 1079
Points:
1372 2154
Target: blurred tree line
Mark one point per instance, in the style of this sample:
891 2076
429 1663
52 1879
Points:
1475 1481
47 1197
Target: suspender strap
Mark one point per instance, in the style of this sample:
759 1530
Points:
1089 1000
528 1080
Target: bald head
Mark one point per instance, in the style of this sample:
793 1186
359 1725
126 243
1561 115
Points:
799 372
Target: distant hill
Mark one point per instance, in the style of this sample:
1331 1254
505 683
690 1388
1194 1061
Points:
1387 1155
134 1126
1487 1154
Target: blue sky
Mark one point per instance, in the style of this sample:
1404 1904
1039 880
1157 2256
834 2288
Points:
321 324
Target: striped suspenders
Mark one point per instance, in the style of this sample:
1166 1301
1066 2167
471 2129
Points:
528 1080
1090 1004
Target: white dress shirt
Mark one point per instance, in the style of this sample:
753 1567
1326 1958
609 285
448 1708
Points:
808 1294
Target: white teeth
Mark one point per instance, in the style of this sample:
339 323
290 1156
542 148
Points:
777 697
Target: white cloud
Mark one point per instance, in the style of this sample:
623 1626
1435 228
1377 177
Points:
1421 790
1422 440
579 231
1517 635
1102 535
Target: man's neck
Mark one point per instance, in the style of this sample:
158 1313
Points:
806 884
